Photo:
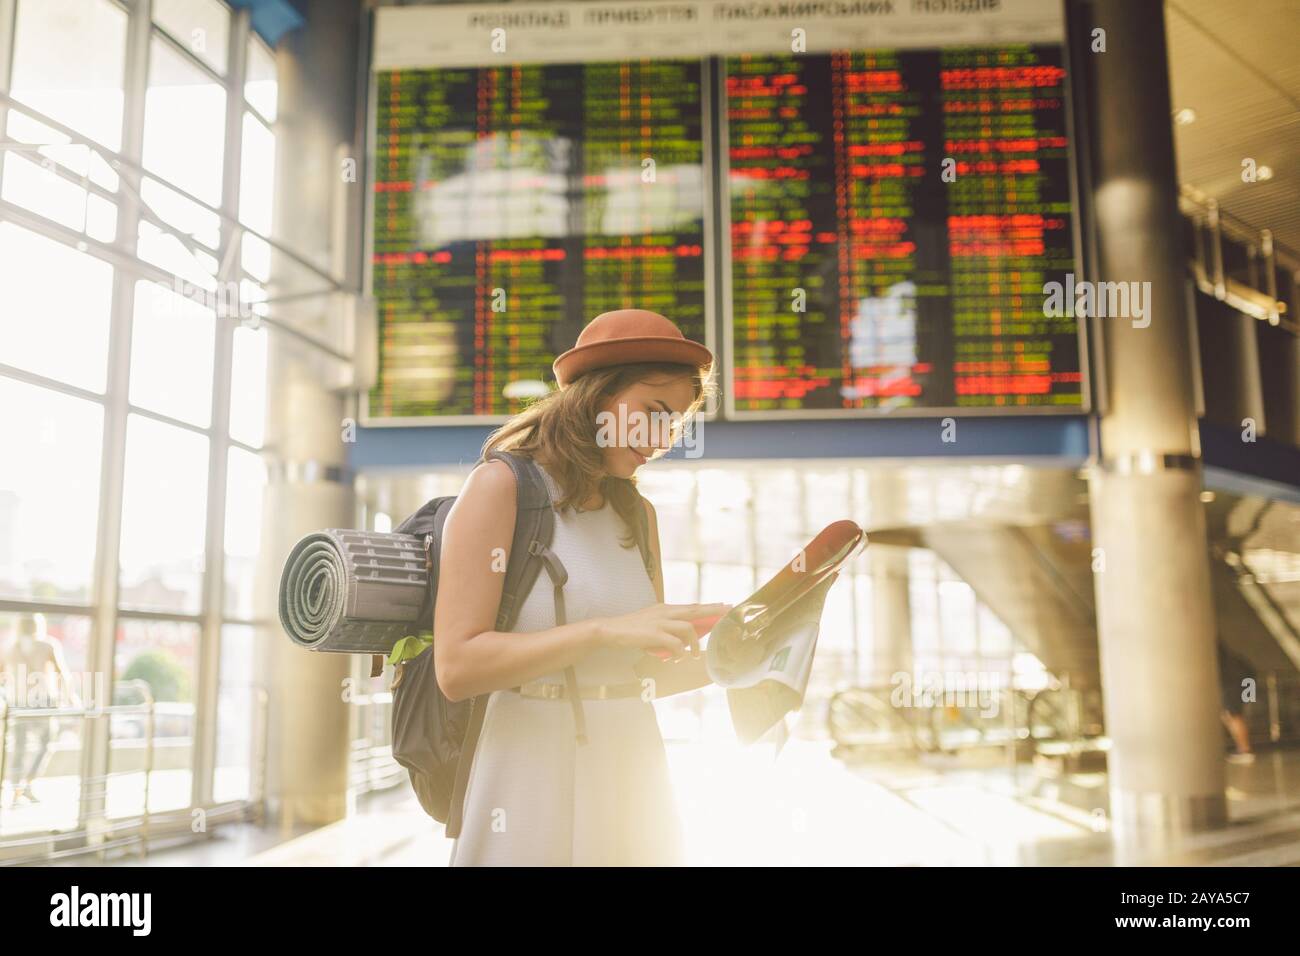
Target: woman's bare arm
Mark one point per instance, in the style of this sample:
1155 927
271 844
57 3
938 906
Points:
469 656
669 677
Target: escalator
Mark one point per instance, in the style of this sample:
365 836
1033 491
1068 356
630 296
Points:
1038 580
1253 621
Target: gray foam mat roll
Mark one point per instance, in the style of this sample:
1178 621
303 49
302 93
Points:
352 592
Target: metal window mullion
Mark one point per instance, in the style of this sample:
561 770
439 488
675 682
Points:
51 384
28 150
120 161
95 751
8 39
145 614
166 419
119 253
126 261
214 590
36 606
244 446
193 59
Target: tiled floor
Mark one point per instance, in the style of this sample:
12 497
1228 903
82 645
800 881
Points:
751 807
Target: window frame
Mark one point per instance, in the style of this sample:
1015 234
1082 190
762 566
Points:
103 606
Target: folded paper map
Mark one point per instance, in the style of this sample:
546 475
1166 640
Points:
762 651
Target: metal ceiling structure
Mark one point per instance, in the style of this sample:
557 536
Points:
1234 63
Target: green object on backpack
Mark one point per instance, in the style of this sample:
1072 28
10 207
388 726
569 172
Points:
410 647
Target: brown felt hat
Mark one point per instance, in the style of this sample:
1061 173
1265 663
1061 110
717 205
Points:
625 336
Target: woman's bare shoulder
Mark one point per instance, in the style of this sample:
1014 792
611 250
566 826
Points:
491 485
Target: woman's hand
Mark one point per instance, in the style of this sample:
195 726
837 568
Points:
661 629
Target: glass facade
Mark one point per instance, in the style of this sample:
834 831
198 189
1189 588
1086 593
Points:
139 149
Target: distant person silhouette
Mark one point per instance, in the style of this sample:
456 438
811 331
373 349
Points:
33 668
1234 671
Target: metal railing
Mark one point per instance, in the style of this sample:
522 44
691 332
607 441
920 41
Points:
371 765
1057 722
94 830
1258 294
866 720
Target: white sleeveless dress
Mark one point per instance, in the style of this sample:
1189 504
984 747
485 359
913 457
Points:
534 796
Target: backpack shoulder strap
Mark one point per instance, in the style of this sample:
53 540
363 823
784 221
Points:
534 530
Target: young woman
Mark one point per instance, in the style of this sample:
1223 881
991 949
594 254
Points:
535 796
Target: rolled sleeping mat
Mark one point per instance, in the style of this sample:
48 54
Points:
353 592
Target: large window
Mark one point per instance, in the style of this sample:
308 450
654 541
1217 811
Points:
58 296
171 354
163 516
48 493
69 60
184 123
130 495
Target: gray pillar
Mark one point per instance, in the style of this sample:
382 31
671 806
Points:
310 487
891 602
307 737
891 612
1155 611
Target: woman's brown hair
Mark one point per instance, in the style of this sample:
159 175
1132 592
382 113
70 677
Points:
560 429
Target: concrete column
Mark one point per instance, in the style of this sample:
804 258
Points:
891 611
891 602
307 737
310 485
1155 611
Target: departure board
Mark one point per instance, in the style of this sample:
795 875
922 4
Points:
893 217
855 204
514 203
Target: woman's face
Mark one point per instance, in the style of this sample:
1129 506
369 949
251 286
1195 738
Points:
639 422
